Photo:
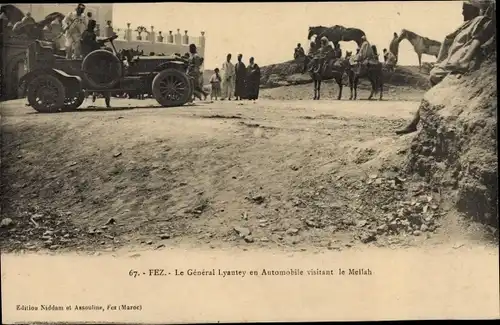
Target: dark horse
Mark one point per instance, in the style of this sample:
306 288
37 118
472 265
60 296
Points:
334 70
373 72
337 33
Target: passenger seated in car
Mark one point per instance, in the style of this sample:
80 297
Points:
89 42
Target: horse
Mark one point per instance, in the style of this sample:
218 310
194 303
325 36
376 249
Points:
334 69
374 74
315 30
421 45
337 33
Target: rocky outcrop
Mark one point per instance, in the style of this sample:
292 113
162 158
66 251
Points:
456 150
290 73
275 75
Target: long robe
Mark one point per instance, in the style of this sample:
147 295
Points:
365 52
240 71
227 79
253 81
456 45
74 27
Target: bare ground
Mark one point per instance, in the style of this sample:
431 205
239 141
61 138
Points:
290 174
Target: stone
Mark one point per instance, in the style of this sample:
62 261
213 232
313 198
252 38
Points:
382 228
249 239
37 216
417 233
424 228
242 231
6 222
258 199
362 223
292 231
311 223
367 238
164 236
111 221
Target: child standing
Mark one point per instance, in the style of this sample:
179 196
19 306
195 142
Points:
215 81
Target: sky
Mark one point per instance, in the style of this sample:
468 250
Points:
270 31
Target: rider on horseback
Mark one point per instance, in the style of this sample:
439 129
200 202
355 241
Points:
365 57
325 54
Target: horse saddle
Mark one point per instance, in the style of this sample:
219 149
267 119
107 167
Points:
368 65
329 66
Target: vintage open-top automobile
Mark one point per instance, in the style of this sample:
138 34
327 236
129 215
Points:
54 83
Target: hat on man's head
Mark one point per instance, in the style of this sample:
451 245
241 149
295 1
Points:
81 6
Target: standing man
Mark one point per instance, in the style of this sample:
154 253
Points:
394 46
194 64
337 51
240 71
227 78
74 24
253 80
298 52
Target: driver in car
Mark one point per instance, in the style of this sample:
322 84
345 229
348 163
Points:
89 40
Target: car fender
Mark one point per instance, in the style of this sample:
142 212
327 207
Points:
180 65
67 79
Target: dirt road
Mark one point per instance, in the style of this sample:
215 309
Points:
289 174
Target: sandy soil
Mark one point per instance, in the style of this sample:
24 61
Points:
295 175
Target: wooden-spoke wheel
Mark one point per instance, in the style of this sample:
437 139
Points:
172 87
73 102
46 94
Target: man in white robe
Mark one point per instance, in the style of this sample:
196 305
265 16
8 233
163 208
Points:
228 76
460 48
74 24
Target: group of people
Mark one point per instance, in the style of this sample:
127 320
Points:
79 32
328 51
324 54
238 81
